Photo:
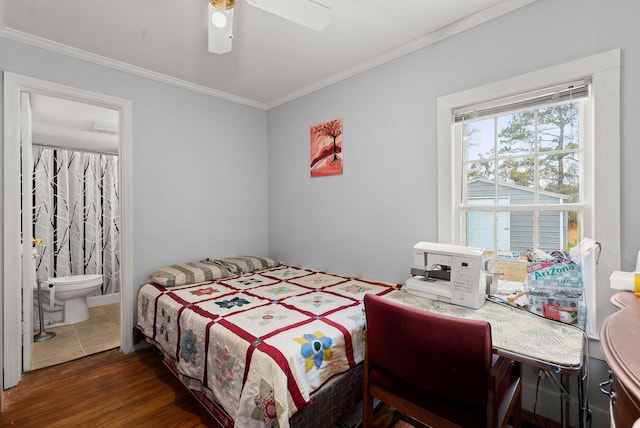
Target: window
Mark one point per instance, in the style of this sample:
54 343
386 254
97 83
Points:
521 172
533 162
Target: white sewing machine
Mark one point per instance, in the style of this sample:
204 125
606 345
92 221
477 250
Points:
451 273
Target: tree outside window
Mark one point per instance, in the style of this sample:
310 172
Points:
531 158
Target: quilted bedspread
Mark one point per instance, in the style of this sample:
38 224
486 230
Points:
263 342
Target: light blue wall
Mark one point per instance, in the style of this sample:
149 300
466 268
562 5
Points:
199 163
366 221
189 149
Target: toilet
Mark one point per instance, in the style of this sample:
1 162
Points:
64 299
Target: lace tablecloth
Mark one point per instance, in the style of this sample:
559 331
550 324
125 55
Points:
516 333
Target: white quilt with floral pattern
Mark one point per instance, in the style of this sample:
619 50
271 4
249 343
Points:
261 342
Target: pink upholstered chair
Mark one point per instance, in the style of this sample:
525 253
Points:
437 369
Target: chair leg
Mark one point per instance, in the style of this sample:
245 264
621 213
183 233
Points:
517 412
516 407
367 410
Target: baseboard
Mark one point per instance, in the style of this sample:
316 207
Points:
105 299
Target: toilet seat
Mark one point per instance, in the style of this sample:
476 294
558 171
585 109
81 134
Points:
75 282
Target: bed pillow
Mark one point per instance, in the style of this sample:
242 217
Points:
245 264
190 273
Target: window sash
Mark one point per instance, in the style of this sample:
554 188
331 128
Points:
460 130
534 237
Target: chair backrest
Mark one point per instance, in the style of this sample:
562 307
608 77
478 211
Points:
445 356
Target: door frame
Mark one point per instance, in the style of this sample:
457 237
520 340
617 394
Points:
14 85
27 266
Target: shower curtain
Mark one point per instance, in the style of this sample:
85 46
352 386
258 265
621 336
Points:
76 214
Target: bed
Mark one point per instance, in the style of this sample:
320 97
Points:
260 344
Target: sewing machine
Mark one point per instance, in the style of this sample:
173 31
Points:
451 273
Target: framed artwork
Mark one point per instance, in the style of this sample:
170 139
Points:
326 148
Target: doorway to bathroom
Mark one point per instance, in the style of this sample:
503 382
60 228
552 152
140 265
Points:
63 139
76 223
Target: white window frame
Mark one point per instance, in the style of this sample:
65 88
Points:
585 152
602 172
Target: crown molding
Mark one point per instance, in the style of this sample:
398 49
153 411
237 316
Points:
63 49
429 39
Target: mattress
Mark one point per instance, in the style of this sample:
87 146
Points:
262 345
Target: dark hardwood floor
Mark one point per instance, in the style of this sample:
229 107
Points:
110 389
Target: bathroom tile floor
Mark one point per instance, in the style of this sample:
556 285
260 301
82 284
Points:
99 333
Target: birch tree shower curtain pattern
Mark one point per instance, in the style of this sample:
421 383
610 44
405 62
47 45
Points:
76 214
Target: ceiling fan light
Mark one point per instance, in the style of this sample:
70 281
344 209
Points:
223 4
218 19
220 33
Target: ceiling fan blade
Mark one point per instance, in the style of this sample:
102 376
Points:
304 12
220 38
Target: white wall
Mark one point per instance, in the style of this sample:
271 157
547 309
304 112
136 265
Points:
199 163
366 221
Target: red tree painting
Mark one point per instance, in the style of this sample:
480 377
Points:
326 148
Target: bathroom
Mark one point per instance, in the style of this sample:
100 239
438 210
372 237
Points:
75 226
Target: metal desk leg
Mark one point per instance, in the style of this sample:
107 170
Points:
583 406
565 400
565 397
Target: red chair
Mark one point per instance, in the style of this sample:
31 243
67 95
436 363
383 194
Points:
436 369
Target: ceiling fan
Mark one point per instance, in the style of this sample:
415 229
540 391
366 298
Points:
307 13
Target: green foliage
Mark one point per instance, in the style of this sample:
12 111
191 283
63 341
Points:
545 140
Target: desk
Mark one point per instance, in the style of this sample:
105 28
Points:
620 341
554 347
